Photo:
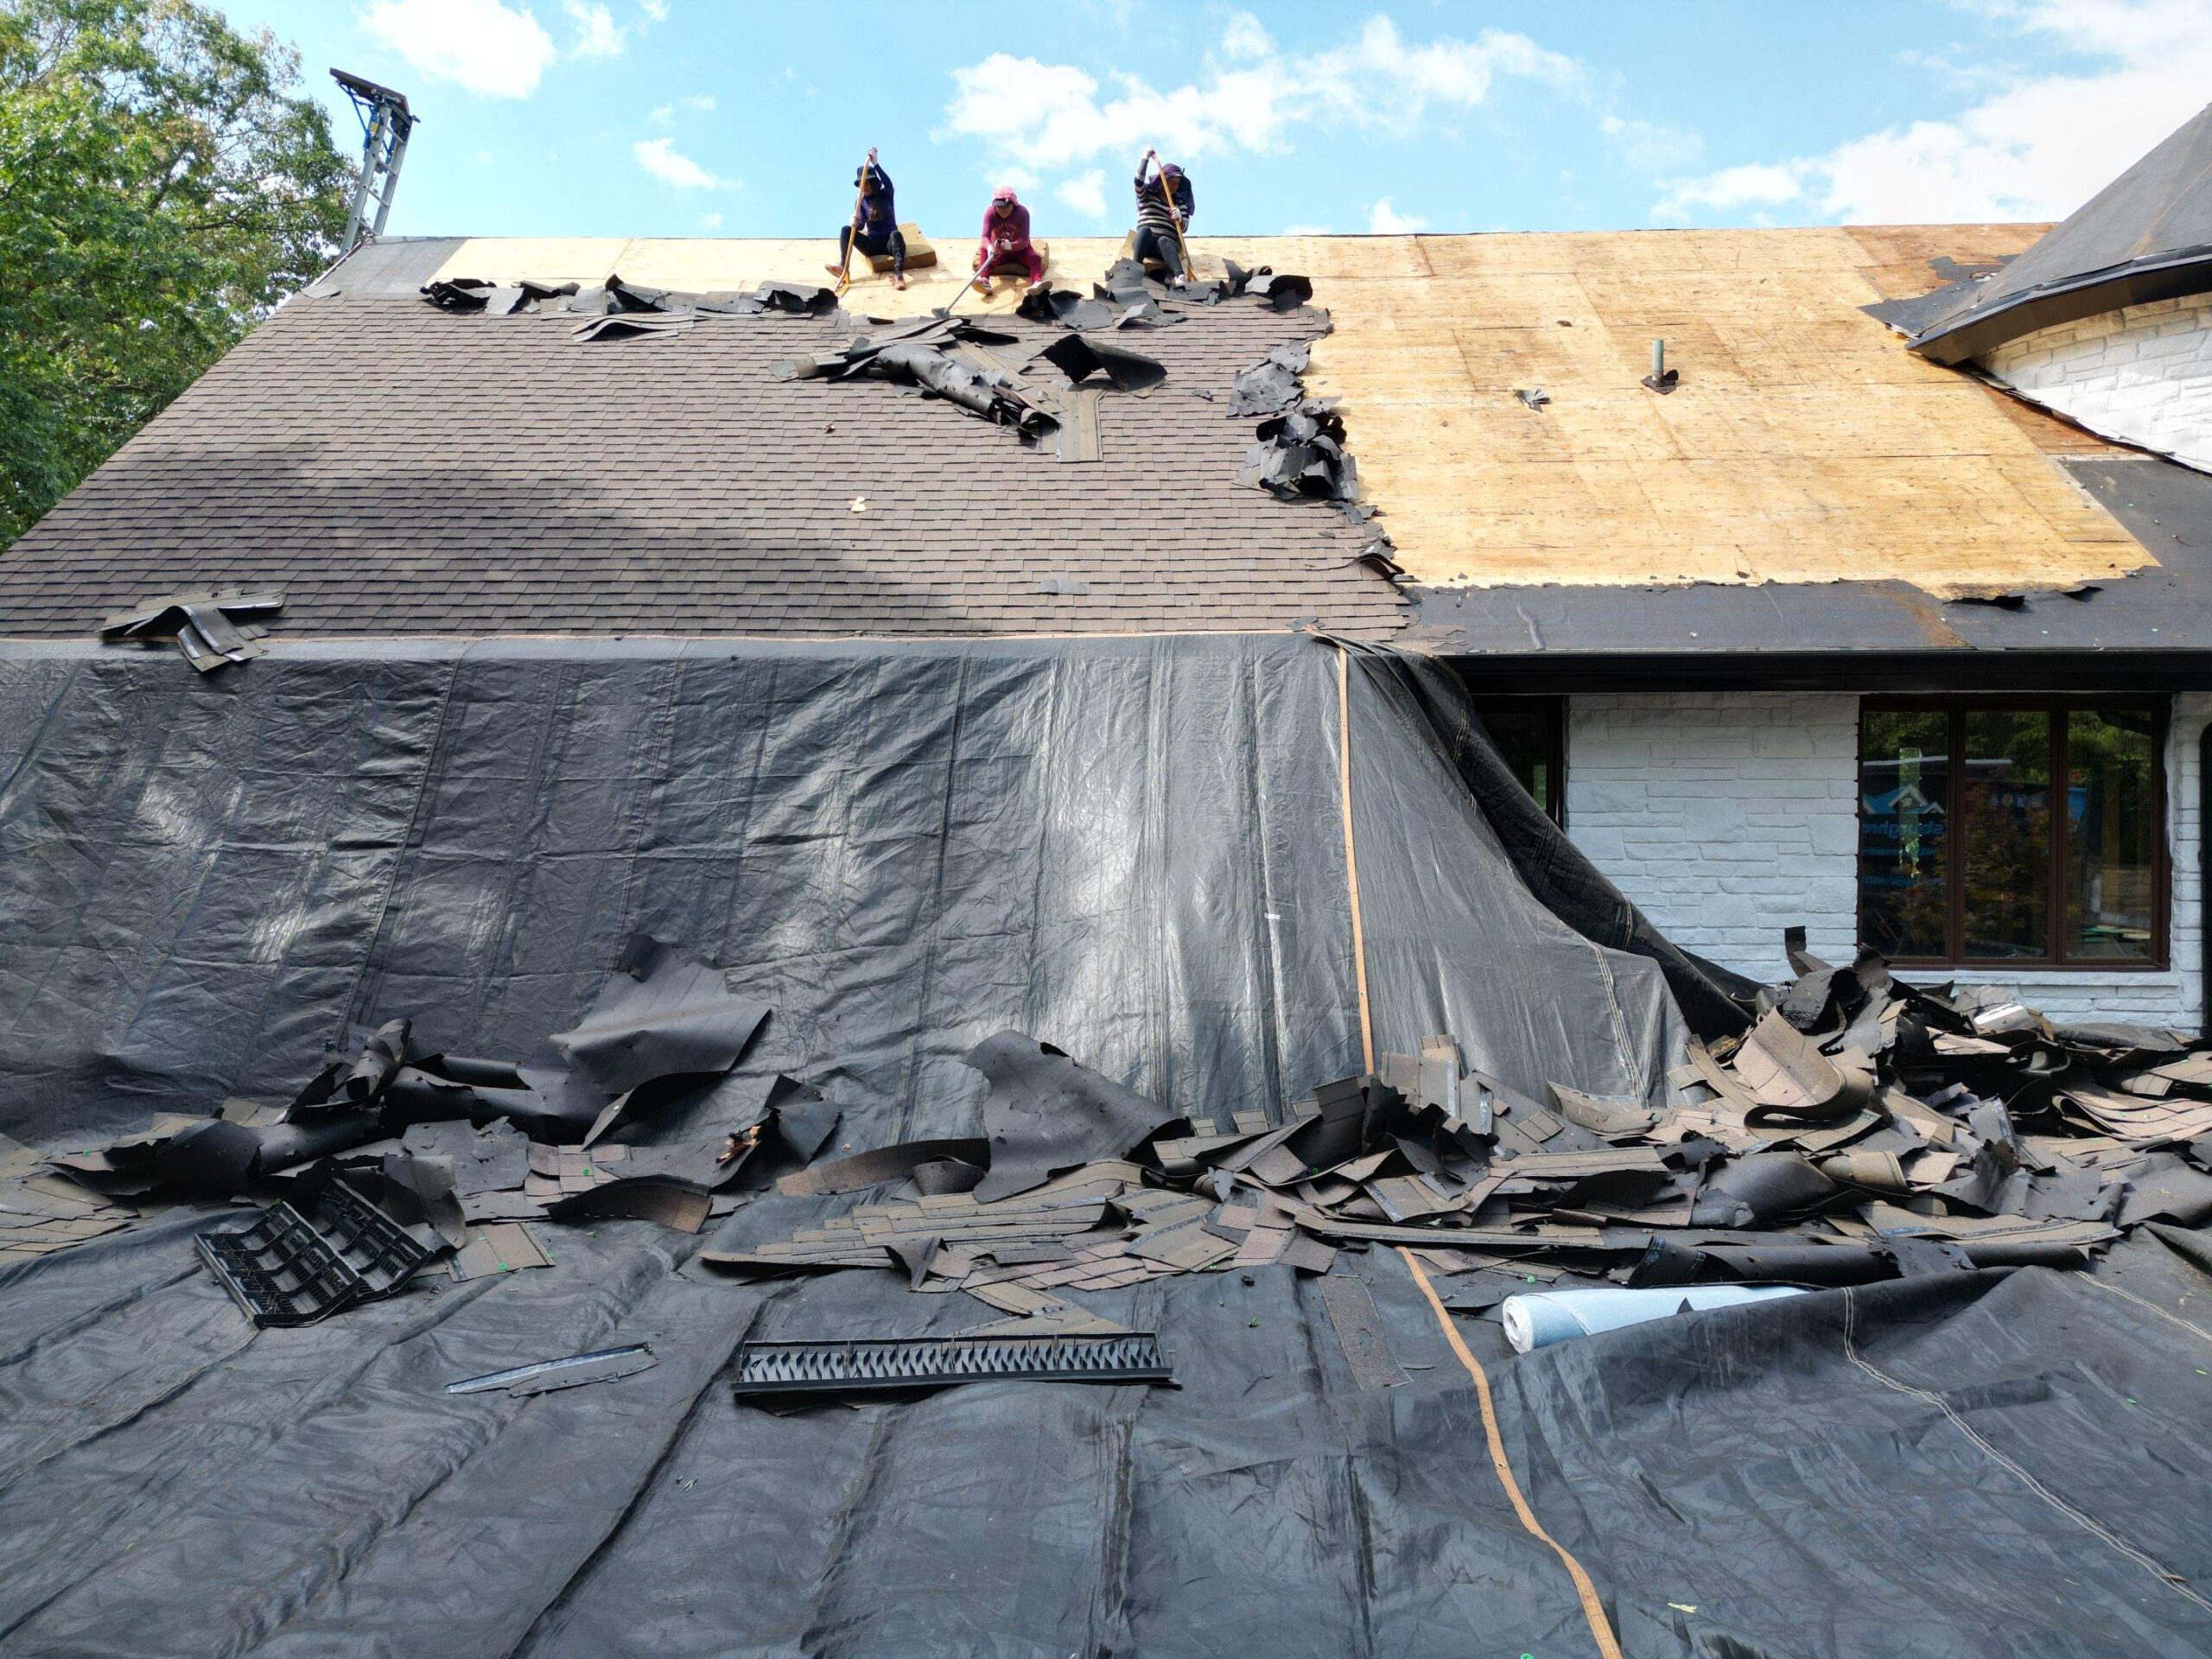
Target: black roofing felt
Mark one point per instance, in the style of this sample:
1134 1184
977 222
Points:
2145 236
1133 845
2152 628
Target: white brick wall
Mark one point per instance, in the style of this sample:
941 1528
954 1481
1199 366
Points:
1730 816
2143 374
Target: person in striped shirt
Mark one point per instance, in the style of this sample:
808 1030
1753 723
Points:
1164 200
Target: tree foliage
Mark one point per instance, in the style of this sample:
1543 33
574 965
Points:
162 185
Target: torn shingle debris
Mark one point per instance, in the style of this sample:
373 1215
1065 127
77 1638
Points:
1877 1149
1271 386
947 358
615 310
1301 453
206 626
953 358
447 1152
1079 358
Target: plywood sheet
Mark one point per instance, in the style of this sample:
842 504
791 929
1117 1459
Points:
1804 443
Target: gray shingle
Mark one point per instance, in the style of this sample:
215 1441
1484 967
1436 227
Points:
399 470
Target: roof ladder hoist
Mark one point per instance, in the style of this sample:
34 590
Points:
385 123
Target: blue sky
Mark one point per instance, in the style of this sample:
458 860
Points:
691 117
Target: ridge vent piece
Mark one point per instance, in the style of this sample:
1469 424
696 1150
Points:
851 1365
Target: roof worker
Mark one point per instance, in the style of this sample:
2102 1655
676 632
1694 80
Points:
1164 204
874 229
1006 248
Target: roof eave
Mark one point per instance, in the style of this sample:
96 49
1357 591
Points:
1973 332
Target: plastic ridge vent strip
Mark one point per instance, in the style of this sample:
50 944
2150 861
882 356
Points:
283 1269
904 1362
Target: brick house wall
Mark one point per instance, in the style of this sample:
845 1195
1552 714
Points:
1730 816
2143 374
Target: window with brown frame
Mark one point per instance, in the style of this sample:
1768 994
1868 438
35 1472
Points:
1530 733
2013 831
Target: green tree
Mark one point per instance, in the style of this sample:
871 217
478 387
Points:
162 185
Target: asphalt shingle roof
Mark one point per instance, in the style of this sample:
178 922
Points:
399 470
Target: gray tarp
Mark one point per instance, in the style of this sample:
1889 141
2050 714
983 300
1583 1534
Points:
1130 849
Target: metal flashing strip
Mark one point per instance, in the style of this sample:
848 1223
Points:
548 1375
841 1366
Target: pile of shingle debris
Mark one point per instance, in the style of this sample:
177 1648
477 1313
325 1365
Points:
453 1153
1859 1128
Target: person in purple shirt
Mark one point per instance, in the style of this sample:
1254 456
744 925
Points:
875 228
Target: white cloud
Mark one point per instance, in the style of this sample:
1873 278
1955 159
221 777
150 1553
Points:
660 157
1384 219
2034 147
1751 184
493 49
1246 37
598 36
665 114
1648 147
1251 97
1087 194
655 9
1015 178
710 221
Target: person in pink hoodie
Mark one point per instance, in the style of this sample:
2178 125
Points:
1006 248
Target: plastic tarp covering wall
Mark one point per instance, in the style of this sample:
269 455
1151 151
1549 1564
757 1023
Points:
1132 848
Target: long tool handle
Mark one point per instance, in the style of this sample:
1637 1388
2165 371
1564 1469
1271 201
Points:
1175 218
860 195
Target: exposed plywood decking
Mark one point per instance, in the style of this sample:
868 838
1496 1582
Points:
1803 444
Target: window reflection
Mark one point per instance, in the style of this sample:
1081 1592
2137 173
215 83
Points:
2005 799
2111 881
1992 833
1904 802
1529 733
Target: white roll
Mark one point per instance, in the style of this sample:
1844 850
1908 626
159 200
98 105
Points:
1541 1317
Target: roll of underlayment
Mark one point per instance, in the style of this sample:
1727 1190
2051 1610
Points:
1543 1316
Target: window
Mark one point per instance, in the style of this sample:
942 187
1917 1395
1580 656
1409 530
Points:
2012 832
1531 734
